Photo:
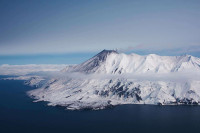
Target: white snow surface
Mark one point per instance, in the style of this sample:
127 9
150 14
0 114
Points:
112 78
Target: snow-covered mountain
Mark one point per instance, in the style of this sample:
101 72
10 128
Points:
112 78
111 62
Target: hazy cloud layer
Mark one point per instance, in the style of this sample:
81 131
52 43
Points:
29 69
54 71
171 77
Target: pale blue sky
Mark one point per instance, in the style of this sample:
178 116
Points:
169 27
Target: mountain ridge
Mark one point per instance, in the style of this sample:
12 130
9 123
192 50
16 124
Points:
112 62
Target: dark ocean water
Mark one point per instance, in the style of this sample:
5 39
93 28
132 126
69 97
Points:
18 114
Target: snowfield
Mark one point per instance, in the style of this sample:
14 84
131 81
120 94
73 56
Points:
111 78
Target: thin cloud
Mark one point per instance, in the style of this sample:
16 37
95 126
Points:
170 77
146 49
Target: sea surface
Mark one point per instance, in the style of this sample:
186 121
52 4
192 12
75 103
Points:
18 114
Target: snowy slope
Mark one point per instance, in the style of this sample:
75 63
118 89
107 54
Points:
112 78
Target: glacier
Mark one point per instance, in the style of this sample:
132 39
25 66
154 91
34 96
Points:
111 78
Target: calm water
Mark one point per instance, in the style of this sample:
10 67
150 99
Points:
19 114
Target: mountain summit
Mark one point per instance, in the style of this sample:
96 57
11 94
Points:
103 54
92 65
